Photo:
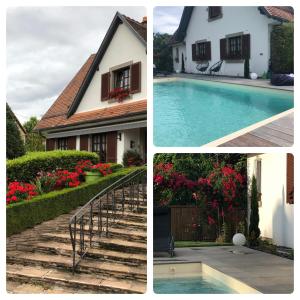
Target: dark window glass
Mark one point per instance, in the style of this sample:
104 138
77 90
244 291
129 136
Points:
121 77
99 145
62 144
235 47
214 12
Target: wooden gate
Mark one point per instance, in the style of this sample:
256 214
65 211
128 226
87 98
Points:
185 224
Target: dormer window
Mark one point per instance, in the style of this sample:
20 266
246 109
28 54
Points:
214 12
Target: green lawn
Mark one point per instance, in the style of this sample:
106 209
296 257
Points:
182 244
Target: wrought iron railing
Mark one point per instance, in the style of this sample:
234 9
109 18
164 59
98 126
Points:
94 220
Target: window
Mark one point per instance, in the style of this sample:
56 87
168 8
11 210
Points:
235 47
121 78
99 145
200 48
62 144
201 51
214 12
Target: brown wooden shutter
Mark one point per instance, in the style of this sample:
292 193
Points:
207 51
50 144
71 143
223 49
105 86
246 46
290 178
194 58
111 147
135 86
84 142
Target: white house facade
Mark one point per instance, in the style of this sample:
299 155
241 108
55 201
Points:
104 107
275 181
226 33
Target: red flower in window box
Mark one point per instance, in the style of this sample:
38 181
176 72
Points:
119 94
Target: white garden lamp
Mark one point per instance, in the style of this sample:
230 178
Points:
253 76
239 239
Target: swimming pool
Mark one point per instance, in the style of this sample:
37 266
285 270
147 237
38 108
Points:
196 112
195 278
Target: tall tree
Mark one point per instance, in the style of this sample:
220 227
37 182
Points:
162 52
14 143
34 140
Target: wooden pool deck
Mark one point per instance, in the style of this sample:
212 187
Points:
279 133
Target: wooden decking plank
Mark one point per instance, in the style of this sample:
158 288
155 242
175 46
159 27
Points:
274 136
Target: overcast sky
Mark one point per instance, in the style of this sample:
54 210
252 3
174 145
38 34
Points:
167 18
46 47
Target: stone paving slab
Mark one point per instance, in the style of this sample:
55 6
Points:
264 272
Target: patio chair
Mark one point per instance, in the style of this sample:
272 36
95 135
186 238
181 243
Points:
202 67
163 240
216 67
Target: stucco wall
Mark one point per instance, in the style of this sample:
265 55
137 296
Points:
124 47
247 20
181 50
276 216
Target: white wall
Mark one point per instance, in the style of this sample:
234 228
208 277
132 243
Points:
181 50
276 216
235 19
124 47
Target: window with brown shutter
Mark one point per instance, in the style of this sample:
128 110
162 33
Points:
84 142
99 145
135 86
201 51
50 144
71 142
194 57
214 12
235 47
223 49
290 178
111 154
62 144
105 86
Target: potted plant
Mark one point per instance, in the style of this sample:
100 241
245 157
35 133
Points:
97 171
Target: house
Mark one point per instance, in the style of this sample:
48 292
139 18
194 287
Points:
20 127
104 107
229 34
274 173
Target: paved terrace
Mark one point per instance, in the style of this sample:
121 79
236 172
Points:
275 133
269 274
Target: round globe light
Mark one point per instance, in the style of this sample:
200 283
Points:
239 239
253 76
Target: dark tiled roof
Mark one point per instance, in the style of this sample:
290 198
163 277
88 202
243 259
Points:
284 13
140 28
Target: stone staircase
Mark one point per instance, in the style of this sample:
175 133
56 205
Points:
39 260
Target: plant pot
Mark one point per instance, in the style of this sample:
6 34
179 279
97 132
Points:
92 176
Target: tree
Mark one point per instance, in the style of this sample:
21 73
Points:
254 231
162 52
34 141
14 143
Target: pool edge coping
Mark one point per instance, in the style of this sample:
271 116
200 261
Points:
247 129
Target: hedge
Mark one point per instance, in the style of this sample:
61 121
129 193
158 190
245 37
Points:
27 214
25 168
282 48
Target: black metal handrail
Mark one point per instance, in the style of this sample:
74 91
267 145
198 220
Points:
103 207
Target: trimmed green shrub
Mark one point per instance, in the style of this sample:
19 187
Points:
25 168
14 144
254 231
132 158
27 214
282 48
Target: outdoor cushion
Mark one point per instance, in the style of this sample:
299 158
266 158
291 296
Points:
282 79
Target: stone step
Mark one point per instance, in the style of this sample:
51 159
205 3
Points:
86 265
103 242
98 253
126 215
45 279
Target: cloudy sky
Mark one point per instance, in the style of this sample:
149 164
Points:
46 47
167 18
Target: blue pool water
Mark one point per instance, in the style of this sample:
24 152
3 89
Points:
190 285
193 113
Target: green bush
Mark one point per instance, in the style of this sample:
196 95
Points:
132 158
27 214
14 143
254 231
282 48
25 168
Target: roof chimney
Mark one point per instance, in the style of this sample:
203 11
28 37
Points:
144 20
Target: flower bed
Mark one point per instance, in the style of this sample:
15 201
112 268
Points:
26 214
